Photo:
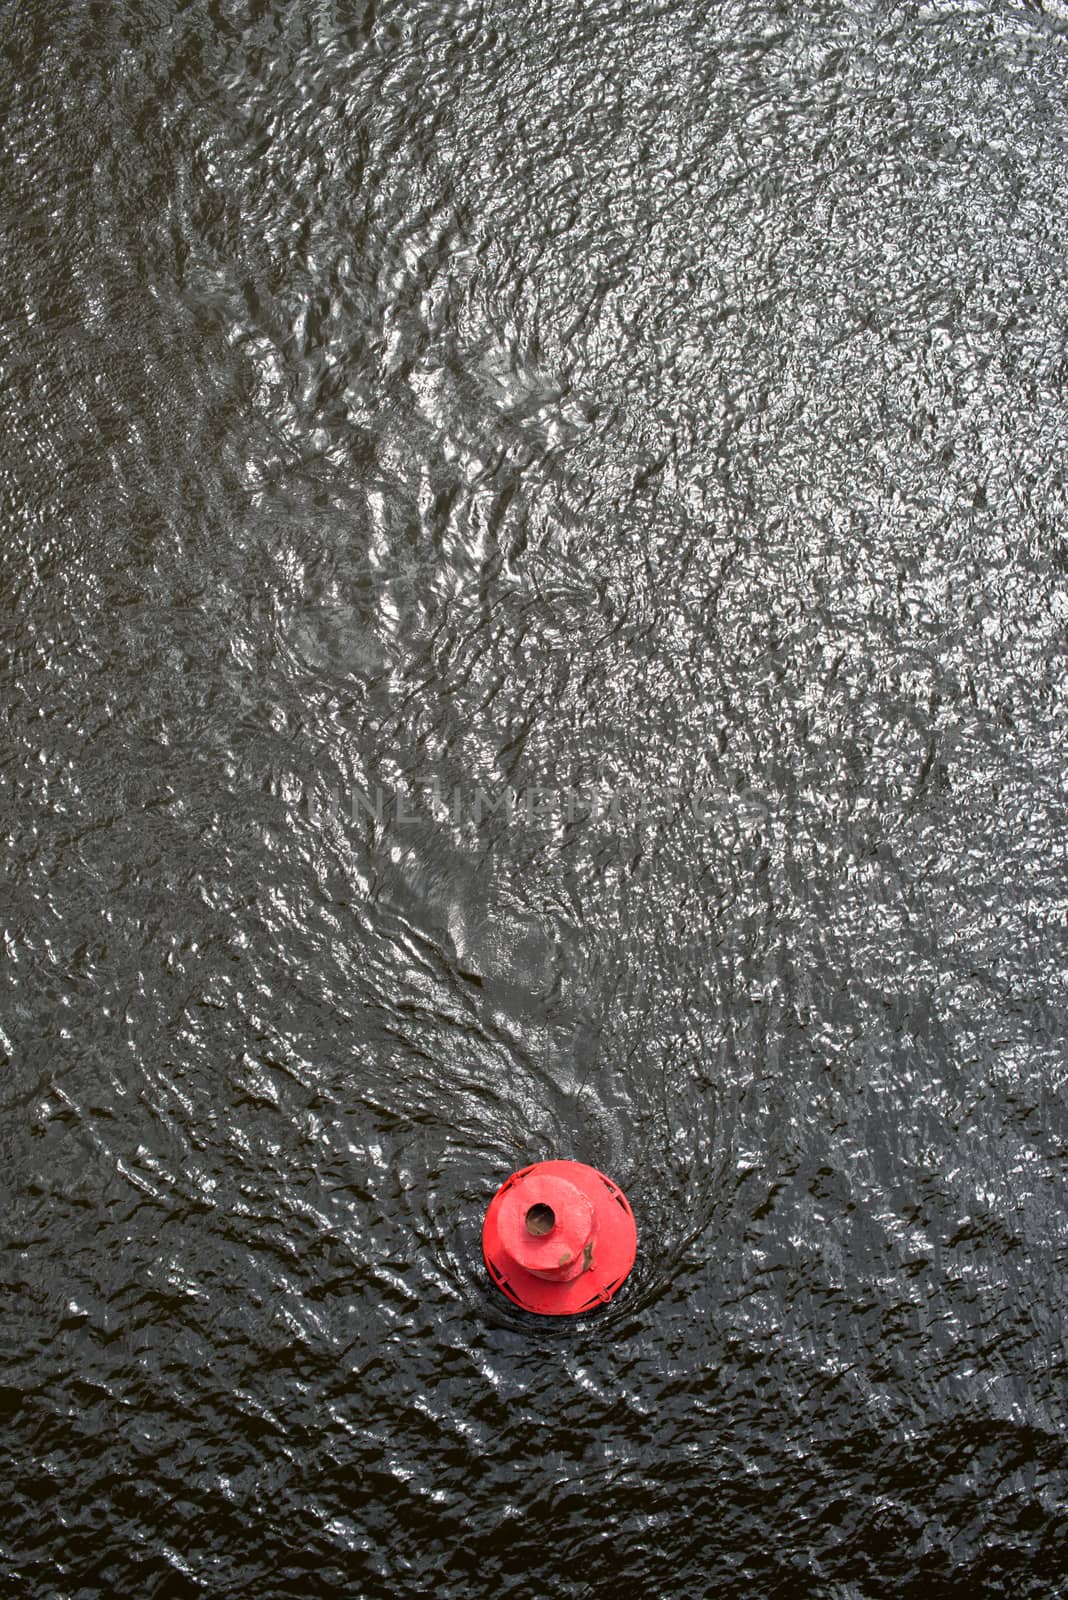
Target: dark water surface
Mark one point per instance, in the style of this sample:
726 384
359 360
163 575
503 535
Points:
658 403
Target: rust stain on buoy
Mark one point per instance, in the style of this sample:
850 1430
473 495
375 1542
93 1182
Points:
540 1234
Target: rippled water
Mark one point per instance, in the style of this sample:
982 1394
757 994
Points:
660 404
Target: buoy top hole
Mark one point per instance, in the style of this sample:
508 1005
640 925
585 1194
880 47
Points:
540 1220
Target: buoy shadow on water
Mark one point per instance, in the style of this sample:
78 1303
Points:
559 1238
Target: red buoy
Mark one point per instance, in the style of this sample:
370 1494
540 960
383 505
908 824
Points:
559 1237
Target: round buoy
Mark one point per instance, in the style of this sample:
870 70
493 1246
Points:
559 1237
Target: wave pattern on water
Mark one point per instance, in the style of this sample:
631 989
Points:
605 400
